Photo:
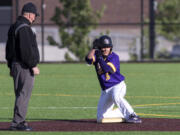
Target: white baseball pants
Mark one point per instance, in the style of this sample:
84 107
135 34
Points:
111 97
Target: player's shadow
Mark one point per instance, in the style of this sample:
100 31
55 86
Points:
64 120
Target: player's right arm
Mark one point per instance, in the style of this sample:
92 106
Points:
90 58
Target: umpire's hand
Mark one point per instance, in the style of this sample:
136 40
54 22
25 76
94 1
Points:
36 70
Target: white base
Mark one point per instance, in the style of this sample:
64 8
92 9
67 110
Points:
111 120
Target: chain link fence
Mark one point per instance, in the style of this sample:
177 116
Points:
127 23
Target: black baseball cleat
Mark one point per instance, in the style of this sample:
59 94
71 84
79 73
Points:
21 127
133 119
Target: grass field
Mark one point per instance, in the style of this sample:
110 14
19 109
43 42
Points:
71 91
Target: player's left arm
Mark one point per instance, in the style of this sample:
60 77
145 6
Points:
108 67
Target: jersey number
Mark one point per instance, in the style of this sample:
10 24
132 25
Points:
107 76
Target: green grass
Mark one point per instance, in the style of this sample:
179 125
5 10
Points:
152 89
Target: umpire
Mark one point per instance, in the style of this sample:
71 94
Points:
22 56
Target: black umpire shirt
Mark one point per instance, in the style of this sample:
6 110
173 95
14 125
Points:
24 49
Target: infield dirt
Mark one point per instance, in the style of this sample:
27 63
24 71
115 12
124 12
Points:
148 124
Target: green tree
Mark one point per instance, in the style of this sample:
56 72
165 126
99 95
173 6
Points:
169 12
75 19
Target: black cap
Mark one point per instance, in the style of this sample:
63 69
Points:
30 8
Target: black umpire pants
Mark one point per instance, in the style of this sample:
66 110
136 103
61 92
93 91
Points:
23 84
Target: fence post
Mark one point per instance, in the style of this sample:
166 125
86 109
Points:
151 29
142 31
42 28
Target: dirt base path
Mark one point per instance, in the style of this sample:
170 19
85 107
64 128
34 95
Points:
148 124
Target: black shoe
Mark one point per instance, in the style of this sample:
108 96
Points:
133 119
21 127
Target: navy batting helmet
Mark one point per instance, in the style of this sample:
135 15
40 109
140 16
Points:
105 41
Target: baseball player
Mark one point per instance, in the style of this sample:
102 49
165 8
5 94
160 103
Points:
112 83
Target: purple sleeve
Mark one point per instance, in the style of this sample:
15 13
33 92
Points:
90 61
105 67
111 66
114 63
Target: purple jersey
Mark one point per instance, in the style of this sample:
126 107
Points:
107 79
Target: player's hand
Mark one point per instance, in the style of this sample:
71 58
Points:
98 54
96 44
36 70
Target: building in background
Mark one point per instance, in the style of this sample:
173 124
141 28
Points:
121 19
6 18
